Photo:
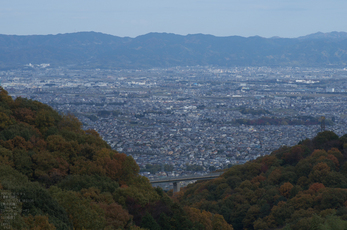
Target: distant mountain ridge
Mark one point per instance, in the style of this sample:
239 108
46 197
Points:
331 35
97 50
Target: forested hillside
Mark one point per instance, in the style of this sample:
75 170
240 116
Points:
54 175
299 187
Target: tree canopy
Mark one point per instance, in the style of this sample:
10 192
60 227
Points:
292 188
55 175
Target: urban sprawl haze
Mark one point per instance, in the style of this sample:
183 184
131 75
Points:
184 120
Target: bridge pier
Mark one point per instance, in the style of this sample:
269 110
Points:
176 186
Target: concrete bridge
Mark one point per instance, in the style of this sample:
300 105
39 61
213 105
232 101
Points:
176 180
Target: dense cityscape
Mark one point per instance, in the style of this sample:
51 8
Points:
184 120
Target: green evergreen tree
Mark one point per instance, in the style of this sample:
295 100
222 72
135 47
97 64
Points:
149 222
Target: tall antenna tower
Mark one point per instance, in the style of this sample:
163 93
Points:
322 124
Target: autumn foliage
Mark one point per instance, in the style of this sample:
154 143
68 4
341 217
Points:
55 175
299 187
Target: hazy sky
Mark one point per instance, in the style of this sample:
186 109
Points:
266 18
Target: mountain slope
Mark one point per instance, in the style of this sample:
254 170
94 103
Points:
54 175
293 188
97 50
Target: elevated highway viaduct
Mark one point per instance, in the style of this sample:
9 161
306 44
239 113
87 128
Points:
176 180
